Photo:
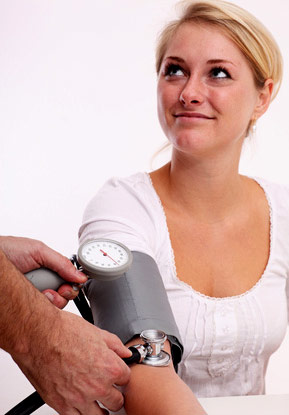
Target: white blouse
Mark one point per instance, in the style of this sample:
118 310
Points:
227 341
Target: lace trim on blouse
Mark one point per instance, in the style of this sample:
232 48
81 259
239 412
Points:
172 255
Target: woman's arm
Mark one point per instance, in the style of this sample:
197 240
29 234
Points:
158 391
137 301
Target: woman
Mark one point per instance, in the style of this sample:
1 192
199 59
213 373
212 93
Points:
219 238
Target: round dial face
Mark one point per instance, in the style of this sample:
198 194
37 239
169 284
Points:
104 258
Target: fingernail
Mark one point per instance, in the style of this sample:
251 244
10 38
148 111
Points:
82 276
49 296
75 287
67 294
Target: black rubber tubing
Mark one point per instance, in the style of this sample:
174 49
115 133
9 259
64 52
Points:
135 357
34 401
28 405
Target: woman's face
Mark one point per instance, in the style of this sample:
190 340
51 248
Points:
206 91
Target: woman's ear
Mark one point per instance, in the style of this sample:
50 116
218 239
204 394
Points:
264 98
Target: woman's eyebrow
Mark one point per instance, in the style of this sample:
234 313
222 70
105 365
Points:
210 61
218 61
175 58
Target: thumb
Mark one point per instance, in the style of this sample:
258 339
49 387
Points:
62 265
115 344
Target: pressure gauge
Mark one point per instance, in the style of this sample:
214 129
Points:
104 259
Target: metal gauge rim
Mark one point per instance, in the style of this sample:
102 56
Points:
100 272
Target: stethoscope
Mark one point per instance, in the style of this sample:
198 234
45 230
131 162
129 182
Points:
103 260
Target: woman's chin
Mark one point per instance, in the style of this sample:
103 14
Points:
192 144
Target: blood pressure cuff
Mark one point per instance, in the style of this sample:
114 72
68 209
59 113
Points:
135 302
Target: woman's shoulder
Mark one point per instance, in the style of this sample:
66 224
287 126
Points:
125 209
132 195
273 188
125 189
270 184
277 194
137 182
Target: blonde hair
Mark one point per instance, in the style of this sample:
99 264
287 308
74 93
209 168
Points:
248 33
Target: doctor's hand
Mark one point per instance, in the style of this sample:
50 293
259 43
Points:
73 364
70 362
29 254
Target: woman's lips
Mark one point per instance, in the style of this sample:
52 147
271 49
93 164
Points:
185 115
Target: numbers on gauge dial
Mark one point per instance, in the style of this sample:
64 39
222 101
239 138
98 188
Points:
104 254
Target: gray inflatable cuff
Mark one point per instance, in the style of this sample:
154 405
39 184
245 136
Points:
135 302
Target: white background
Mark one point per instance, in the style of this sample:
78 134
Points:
78 105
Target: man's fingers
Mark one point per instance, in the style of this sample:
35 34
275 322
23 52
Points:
93 409
96 410
60 264
113 400
124 378
55 298
119 372
115 344
65 293
68 291
103 411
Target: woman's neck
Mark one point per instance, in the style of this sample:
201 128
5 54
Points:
210 191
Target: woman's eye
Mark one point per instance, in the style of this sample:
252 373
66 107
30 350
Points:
219 73
174 70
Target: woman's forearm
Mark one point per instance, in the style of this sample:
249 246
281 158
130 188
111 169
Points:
159 391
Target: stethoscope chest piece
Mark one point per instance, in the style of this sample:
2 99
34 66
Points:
154 342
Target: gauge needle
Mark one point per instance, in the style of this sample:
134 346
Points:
105 254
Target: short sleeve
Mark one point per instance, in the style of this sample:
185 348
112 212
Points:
287 294
121 210
278 198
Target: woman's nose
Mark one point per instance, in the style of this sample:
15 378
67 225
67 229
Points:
192 93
